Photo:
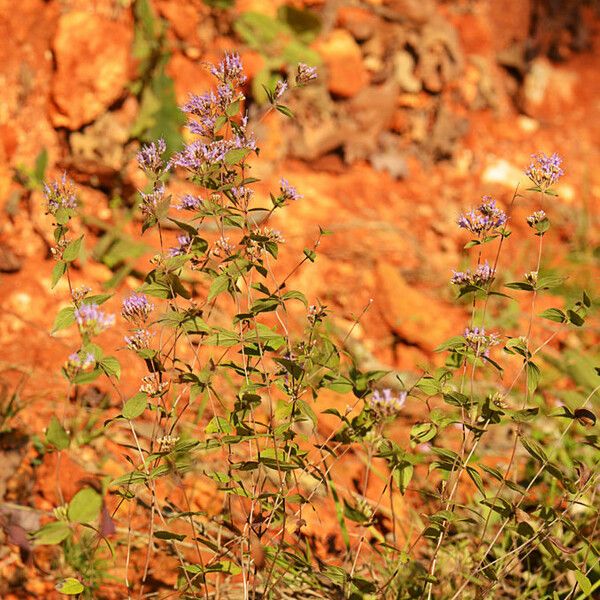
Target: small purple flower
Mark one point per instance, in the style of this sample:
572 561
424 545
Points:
136 308
544 171
60 195
185 241
280 89
242 194
81 360
139 340
288 192
91 320
485 218
483 275
230 70
223 247
479 341
536 217
150 158
189 202
151 202
385 404
305 74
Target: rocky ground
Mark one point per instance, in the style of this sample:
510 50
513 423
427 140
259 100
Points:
421 108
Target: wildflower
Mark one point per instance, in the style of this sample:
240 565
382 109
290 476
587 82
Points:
483 275
60 195
91 320
189 202
544 171
385 405
79 361
152 386
280 89
288 192
479 341
230 70
150 158
305 74
151 202
223 247
139 340
78 294
167 443
484 218
241 194
185 241
531 277
136 308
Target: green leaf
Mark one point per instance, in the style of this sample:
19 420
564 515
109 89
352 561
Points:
421 433
52 533
56 435
310 254
64 318
574 318
72 250
284 110
85 506
583 582
354 514
70 586
235 156
219 285
554 314
135 406
533 376
169 535
110 365
219 425
402 476
60 268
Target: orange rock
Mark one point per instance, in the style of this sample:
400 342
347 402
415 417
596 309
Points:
93 66
360 22
190 77
346 73
411 314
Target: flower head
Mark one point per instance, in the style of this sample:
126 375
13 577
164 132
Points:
91 320
60 195
152 201
483 275
189 202
230 70
78 361
185 241
485 218
305 74
479 341
544 171
280 89
385 404
288 192
136 308
139 340
150 158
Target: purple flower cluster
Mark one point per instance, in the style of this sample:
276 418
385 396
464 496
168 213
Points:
151 202
136 308
60 195
536 217
184 241
139 340
242 194
288 192
479 341
385 404
483 275
305 74
223 247
199 155
79 361
544 171
280 89
91 320
485 218
189 202
230 70
150 158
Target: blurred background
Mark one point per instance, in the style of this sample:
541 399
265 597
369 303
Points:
421 107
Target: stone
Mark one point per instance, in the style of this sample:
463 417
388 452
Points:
346 73
93 67
413 316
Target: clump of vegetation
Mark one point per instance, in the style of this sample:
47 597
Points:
228 399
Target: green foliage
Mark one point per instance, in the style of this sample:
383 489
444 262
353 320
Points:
283 41
159 115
